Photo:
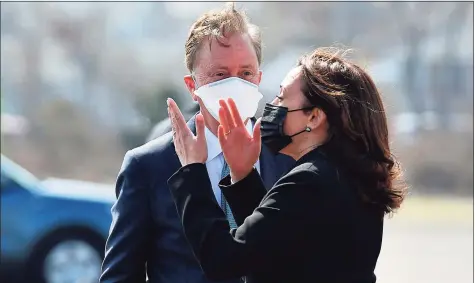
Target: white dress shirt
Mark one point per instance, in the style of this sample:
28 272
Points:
215 161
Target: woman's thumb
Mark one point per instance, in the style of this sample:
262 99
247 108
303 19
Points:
256 133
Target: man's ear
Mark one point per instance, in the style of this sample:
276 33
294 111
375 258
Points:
190 85
316 118
260 77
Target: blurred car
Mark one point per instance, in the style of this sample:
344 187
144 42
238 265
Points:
52 231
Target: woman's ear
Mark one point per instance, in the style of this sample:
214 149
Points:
316 118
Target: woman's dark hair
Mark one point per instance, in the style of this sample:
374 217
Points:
359 140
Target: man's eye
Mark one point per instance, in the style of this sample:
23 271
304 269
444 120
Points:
279 98
248 74
221 74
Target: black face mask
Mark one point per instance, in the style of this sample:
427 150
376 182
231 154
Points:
272 127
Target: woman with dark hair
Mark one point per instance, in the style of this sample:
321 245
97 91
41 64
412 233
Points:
322 221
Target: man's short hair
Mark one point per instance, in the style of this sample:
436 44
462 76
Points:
219 24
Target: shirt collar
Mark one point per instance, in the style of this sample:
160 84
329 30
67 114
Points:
212 142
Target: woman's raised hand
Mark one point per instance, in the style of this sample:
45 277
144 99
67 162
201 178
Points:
240 149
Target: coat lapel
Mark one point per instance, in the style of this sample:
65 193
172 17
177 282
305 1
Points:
175 161
272 166
267 164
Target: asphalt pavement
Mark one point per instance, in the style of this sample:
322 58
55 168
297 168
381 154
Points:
433 246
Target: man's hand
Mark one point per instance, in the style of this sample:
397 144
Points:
189 148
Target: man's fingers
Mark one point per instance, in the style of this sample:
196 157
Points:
235 113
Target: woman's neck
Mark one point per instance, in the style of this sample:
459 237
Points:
306 150
309 145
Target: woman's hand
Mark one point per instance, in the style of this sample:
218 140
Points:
189 148
240 149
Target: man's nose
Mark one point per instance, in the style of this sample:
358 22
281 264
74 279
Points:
235 75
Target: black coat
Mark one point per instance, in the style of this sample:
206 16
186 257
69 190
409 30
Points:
310 227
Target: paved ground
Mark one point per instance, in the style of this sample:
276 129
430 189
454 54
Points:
428 242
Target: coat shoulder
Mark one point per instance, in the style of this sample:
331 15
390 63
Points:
156 155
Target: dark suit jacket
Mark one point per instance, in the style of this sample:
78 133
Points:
146 232
165 125
310 227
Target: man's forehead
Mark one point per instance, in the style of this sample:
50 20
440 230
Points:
218 65
238 51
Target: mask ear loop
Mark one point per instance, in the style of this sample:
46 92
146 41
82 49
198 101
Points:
300 109
307 129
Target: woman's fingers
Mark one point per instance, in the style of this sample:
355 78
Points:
235 113
221 136
223 119
189 149
177 120
227 113
200 127
256 133
172 120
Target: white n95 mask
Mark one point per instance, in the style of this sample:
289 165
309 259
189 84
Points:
245 94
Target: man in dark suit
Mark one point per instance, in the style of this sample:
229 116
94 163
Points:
146 235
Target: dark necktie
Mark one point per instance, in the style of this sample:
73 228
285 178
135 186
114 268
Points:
226 208
224 203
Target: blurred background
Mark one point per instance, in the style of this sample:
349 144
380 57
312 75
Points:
83 82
